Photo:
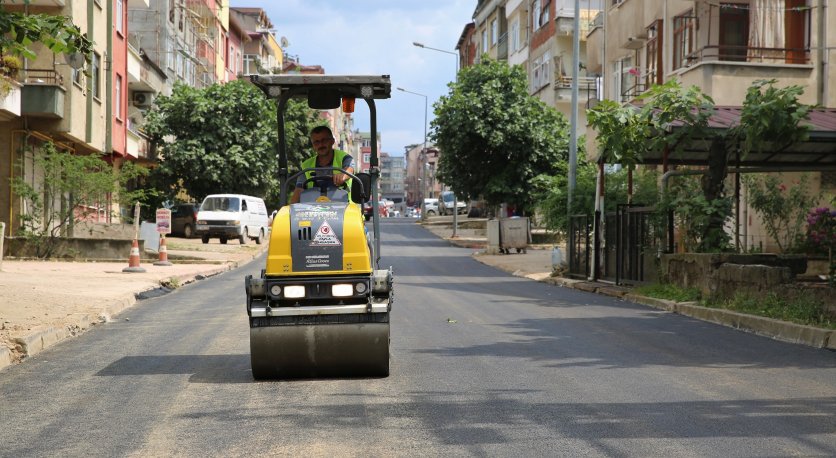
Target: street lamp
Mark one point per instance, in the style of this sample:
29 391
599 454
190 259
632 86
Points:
424 149
455 199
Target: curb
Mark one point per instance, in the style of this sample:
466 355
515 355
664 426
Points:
768 327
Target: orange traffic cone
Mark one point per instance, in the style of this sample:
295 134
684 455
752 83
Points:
163 261
133 260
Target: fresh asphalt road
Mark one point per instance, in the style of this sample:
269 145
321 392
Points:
483 363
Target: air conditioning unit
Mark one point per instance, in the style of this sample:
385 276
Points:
143 99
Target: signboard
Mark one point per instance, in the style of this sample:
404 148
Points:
163 221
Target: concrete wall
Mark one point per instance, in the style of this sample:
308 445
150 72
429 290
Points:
724 275
78 249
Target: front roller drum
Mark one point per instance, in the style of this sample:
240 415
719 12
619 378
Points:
320 350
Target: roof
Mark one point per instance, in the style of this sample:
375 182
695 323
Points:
817 152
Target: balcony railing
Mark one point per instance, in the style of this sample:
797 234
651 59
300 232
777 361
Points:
46 76
727 53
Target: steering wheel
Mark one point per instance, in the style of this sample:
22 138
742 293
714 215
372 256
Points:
323 182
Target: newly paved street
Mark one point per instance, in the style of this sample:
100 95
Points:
483 363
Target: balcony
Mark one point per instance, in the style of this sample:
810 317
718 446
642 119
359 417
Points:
10 103
753 55
252 65
43 94
587 88
138 143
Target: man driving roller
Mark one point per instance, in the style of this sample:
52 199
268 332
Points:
326 156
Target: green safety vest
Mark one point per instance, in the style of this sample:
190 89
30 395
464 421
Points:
310 163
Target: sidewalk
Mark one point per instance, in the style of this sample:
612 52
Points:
45 302
535 264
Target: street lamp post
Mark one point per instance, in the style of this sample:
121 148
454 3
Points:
424 148
456 78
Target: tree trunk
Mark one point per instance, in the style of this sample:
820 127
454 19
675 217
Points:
713 236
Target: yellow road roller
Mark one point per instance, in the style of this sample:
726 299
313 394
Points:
321 306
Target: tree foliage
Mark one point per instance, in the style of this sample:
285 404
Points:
58 33
223 138
495 138
770 121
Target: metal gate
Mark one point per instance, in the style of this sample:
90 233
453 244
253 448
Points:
637 244
580 229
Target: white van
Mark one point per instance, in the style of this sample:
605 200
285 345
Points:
430 207
232 216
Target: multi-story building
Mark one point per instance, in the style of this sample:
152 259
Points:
262 52
420 167
80 111
722 48
536 34
392 177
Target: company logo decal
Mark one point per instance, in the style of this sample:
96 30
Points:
325 236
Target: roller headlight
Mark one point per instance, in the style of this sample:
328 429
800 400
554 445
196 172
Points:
360 287
276 290
342 290
294 292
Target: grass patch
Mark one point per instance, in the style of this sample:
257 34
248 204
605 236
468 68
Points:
669 291
801 308
171 283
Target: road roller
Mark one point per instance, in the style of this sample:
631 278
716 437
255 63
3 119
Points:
321 306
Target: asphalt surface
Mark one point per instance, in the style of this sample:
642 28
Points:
483 364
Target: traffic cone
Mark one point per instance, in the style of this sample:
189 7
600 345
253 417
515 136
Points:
163 261
133 260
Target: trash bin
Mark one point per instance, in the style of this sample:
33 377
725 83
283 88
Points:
508 233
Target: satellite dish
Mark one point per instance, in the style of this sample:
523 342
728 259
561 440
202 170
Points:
284 42
74 60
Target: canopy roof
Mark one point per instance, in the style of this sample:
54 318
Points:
818 150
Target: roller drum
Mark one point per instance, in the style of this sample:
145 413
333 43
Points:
320 350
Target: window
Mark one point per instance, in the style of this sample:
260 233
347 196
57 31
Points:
484 41
118 96
540 74
515 35
170 55
78 77
367 157
653 55
494 32
734 32
624 79
95 74
535 15
683 39
119 17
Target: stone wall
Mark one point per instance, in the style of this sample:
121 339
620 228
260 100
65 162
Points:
723 275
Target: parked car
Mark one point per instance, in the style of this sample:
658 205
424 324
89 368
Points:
232 216
183 219
430 207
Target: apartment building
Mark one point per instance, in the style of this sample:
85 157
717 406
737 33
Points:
536 34
57 101
262 52
392 177
721 47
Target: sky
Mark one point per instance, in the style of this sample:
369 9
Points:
374 37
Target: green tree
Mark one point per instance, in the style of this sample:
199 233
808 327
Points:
18 31
770 122
783 208
72 188
217 139
495 138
